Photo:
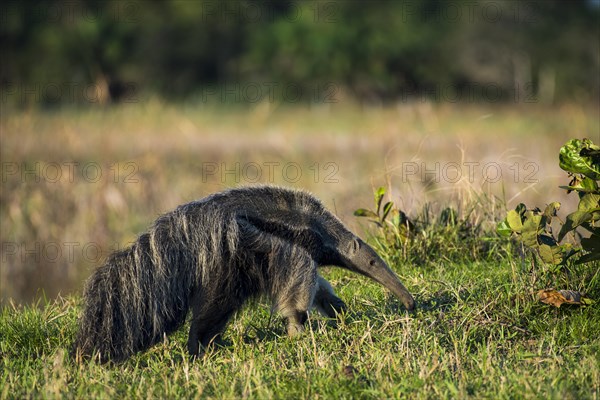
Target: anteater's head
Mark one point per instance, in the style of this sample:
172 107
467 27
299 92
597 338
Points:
357 256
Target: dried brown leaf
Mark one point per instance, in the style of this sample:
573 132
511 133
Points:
560 297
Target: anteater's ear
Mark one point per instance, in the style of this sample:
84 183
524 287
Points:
353 247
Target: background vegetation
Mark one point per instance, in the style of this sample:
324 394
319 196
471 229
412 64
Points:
376 50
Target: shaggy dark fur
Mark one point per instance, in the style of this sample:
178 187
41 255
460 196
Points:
211 256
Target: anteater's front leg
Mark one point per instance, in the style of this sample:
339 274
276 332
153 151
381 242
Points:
294 296
325 299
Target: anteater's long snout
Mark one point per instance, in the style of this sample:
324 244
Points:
385 276
368 263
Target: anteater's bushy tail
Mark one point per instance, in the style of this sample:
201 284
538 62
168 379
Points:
130 302
142 292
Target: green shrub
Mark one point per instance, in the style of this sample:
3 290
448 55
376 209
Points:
533 228
430 235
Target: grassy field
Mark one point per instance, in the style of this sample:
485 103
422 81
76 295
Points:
78 183
478 332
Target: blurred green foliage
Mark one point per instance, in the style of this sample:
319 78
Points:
544 50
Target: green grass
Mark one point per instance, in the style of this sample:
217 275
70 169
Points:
477 332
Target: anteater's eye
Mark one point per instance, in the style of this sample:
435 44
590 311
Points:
372 262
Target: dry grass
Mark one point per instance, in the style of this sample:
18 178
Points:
154 156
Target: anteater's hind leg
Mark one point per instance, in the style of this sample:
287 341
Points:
294 297
325 299
207 323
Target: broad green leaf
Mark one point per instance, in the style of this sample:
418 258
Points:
514 221
503 229
573 221
579 217
571 160
530 238
362 212
589 202
532 222
551 255
590 184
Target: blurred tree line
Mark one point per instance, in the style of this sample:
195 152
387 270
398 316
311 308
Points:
56 51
